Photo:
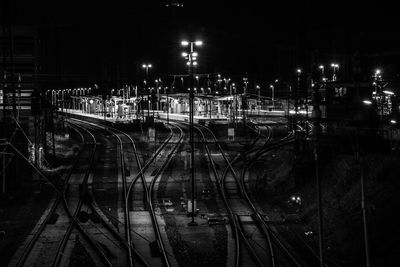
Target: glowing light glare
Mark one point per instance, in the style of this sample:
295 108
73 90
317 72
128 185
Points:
257 87
298 71
198 43
271 86
194 54
321 67
143 66
197 77
195 63
388 92
149 65
367 102
393 121
188 63
378 71
184 54
184 43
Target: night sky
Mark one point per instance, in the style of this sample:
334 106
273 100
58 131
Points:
266 39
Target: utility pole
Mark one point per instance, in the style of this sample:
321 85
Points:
147 67
316 115
191 57
360 164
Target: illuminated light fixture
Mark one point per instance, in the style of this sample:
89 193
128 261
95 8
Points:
194 54
393 121
367 102
195 63
198 43
276 80
188 63
184 43
298 71
321 67
184 54
388 92
194 58
143 66
378 71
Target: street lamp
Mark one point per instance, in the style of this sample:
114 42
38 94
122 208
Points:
197 79
322 68
258 88
191 58
334 66
147 67
272 93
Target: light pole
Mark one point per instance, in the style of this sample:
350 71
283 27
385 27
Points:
322 68
166 93
296 106
335 66
147 67
259 99
191 62
272 94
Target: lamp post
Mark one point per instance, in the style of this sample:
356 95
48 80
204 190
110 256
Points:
272 94
258 99
322 68
147 67
335 66
191 57
166 93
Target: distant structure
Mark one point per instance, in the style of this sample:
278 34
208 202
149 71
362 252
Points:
19 66
174 3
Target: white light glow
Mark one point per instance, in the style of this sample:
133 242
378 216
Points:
198 43
184 43
388 92
367 102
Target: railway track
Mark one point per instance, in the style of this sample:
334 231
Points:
245 254
49 240
140 191
118 247
244 216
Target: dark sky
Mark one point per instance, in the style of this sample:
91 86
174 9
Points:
263 38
